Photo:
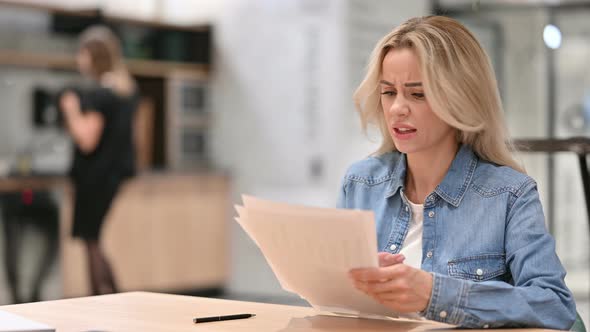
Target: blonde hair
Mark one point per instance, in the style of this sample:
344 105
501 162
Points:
458 81
106 58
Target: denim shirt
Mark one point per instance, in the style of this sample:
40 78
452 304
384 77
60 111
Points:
484 241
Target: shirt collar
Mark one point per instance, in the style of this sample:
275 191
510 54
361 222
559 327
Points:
399 175
454 184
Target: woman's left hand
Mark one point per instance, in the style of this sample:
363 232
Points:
399 286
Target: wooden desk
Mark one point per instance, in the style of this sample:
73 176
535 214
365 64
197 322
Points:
146 312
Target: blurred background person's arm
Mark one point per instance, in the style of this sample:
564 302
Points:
84 127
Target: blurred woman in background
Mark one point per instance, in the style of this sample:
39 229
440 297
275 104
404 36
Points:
99 120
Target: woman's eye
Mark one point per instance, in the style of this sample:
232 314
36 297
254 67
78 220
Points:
388 93
417 95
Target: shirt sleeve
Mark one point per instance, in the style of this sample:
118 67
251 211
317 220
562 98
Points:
538 296
96 100
341 203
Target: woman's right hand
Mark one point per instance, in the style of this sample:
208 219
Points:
70 103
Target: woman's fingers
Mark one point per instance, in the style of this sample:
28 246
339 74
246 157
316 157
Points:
69 101
398 286
387 259
388 286
369 274
380 273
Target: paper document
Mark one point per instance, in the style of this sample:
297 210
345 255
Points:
311 250
10 322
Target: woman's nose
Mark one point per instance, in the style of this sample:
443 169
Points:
399 107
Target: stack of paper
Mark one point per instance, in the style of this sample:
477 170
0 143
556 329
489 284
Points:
10 322
311 250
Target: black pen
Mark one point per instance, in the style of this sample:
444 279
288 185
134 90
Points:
218 318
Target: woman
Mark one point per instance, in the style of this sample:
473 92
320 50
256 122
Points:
460 227
99 121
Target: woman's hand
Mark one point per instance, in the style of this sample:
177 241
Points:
70 104
394 284
387 259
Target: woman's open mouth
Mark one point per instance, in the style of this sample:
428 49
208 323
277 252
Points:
404 132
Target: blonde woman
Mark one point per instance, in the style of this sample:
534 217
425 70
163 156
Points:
99 120
460 227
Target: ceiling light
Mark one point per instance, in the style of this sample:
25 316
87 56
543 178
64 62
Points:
552 36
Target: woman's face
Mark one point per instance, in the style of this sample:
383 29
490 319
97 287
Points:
84 62
412 124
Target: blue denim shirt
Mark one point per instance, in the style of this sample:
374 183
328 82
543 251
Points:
484 240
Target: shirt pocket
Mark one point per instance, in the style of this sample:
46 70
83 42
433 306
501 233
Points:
479 267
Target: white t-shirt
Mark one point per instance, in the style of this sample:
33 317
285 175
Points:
412 246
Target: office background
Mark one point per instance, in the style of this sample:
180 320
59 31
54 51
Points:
280 120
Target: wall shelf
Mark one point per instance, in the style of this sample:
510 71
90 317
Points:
149 68
165 57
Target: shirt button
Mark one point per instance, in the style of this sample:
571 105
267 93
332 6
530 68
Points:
393 247
479 272
487 326
431 214
443 314
429 255
407 208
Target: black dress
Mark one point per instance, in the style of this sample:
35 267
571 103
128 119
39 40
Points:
98 175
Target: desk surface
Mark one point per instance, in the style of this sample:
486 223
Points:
33 182
141 311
